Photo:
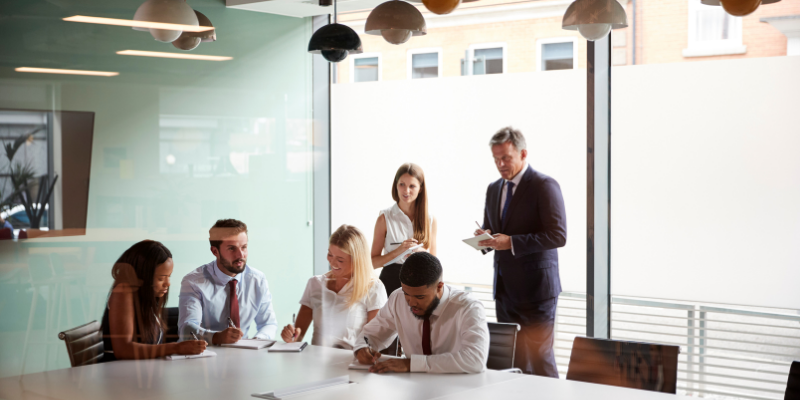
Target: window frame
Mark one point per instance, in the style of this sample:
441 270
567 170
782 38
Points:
355 57
562 39
481 46
704 48
424 50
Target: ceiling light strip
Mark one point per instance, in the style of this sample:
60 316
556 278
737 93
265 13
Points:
65 71
137 24
173 55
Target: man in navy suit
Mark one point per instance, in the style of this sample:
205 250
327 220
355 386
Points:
524 212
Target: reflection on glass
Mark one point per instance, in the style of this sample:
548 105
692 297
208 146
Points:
424 65
487 61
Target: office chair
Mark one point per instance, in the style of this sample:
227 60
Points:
793 383
6 234
502 345
171 335
626 364
84 344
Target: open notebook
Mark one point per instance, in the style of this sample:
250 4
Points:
402 255
205 353
295 347
252 344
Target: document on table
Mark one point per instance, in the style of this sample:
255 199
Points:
473 241
402 255
363 367
252 344
295 347
304 388
205 353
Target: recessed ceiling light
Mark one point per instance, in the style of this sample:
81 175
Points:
65 71
173 55
137 24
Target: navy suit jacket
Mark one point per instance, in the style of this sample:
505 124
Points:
537 224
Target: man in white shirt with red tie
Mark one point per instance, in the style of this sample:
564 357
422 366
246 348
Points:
443 330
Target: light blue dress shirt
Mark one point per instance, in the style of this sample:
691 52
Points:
205 306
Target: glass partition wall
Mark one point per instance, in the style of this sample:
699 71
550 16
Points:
177 144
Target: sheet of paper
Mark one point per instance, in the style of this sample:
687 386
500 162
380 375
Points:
473 241
304 388
363 367
206 353
402 255
253 344
288 347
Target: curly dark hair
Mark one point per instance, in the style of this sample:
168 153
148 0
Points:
421 269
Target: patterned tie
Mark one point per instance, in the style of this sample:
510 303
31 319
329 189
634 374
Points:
426 336
509 193
234 302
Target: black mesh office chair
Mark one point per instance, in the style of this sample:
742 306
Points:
627 364
172 334
793 383
502 345
84 344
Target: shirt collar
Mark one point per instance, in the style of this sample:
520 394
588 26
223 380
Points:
517 178
442 302
223 278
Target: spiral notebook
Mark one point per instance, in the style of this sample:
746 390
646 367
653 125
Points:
252 344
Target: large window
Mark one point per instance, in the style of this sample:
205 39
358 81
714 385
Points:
557 53
712 31
365 68
424 63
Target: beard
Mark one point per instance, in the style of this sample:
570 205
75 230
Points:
429 310
228 265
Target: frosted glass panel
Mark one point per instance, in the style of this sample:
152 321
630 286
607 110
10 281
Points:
177 145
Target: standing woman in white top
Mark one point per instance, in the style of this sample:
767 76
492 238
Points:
343 300
404 225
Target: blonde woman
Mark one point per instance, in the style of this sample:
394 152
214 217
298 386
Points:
404 225
343 300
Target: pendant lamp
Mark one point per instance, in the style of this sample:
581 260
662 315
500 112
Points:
168 12
716 2
396 21
738 8
594 19
190 40
441 7
335 41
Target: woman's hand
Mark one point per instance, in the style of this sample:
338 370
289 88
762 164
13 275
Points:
191 347
407 244
290 333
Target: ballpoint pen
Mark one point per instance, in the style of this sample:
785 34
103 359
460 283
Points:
194 336
374 361
230 323
293 328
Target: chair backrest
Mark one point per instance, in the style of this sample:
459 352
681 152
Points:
793 384
23 234
172 334
626 364
6 234
84 344
502 345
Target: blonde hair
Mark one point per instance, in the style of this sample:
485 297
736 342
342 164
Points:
353 243
421 222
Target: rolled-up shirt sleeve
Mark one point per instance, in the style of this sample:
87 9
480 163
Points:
474 348
190 305
266 322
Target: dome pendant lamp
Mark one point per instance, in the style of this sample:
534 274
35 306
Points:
335 41
441 7
594 19
396 21
168 12
738 8
190 40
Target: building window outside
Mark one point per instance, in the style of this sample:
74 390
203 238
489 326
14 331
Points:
365 68
424 63
556 53
487 59
712 31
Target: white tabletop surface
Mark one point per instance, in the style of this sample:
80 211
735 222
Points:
237 373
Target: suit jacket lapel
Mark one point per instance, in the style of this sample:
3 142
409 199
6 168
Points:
524 184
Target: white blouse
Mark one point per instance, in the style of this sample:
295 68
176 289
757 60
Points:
399 228
335 324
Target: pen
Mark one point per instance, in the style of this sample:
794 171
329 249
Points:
293 322
479 225
194 336
230 323
373 357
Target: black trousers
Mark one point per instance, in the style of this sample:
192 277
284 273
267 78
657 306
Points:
390 277
534 353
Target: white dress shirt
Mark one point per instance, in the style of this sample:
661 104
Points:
336 324
204 303
459 333
515 180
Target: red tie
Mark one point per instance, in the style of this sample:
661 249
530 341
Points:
426 336
234 302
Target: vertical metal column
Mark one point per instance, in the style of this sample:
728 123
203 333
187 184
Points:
598 189
321 103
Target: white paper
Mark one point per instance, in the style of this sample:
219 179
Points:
253 344
402 255
205 353
304 388
289 347
473 241
363 367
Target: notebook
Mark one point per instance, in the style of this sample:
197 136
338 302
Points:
402 255
295 347
252 344
305 388
363 367
206 353
473 241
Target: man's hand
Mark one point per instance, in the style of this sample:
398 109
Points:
392 365
479 232
366 356
228 336
500 242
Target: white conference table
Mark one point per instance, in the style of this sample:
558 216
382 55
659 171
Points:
234 374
